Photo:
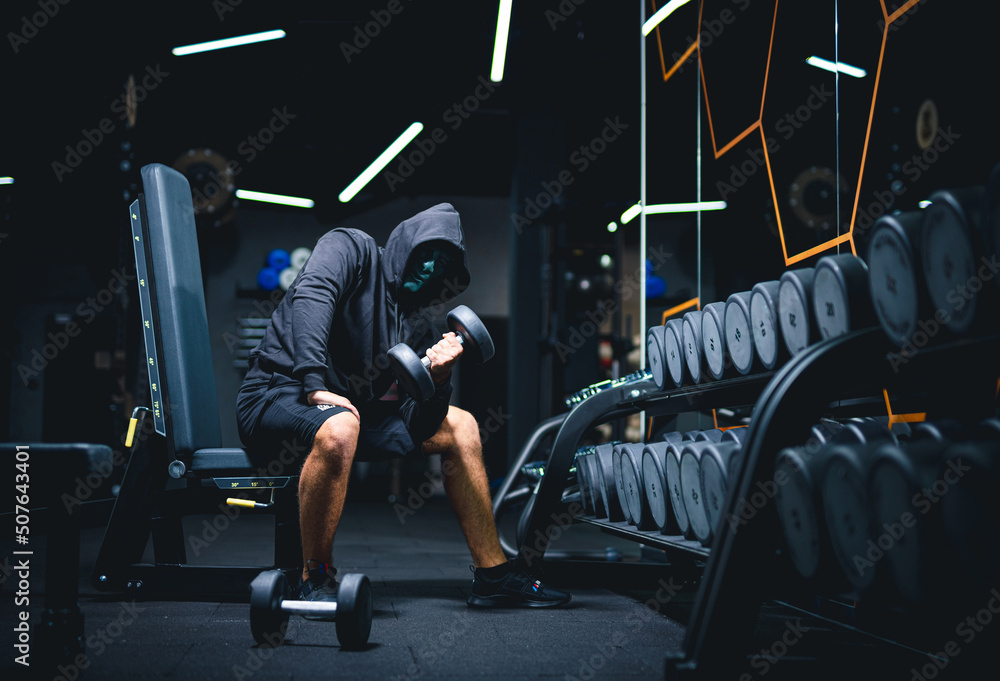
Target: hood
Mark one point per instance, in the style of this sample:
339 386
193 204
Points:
439 224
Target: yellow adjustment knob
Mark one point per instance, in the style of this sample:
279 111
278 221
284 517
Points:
131 431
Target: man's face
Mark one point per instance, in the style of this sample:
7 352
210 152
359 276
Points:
428 263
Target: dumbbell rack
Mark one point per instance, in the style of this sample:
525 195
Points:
744 568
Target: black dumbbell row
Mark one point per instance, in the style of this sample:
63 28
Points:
862 507
676 486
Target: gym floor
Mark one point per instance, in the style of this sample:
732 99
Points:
422 629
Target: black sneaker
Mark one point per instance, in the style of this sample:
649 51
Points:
516 589
321 586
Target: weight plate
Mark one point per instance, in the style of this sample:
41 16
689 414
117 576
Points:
410 373
909 535
795 305
796 496
949 260
635 491
764 322
693 352
278 259
713 339
673 350
287 278
268 623
612 509
654 355
710 435
654 480
739 336
354 611
841 295
714 473
673 436
672 471
846 511
738 434
477 340
694 500
897 284
622 496
595 476
298 257
268 278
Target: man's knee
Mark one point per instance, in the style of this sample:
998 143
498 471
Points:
337 438
462 426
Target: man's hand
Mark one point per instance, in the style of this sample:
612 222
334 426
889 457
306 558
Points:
443 355
327 397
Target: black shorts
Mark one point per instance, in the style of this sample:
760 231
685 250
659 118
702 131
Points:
272 413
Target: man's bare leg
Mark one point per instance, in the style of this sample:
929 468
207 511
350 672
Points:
466 484
323 486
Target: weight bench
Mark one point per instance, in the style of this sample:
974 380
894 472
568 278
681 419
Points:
178 467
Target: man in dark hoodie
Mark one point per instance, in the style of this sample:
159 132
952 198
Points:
319 374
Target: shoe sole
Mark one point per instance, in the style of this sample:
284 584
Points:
512 602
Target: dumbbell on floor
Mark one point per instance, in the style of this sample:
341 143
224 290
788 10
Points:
413 373
270 608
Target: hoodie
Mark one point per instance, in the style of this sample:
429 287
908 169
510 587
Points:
348 306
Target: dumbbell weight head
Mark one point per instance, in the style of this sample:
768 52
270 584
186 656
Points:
898 291
949 249
620 493
413 373
672 473
715 479
655 357
582 481
594 473
673 350
476 340
354 611
713 338
693 353
655 481
694 498
606 481
990 217
268 622
635 489
764 321
795 294
739 334
842 299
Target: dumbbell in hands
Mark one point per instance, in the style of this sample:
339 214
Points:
413 373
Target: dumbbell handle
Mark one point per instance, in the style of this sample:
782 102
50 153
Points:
425 360
309 607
